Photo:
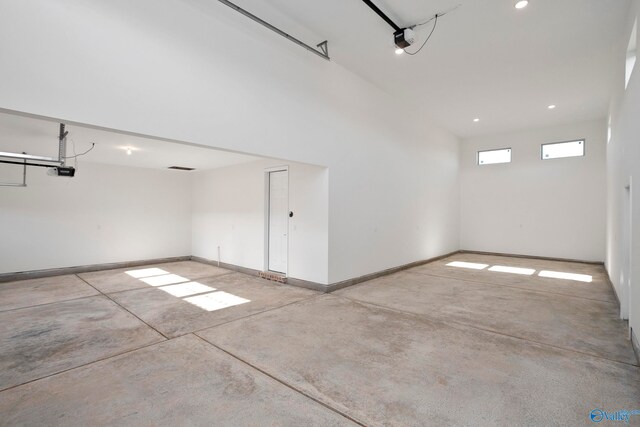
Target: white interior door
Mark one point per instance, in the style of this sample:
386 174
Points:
278 220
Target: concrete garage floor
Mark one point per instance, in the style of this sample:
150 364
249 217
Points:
191 344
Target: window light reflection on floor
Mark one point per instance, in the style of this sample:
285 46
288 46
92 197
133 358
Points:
566 276
165 279
202 296
146 272
471 265
186 289
216 301
514 270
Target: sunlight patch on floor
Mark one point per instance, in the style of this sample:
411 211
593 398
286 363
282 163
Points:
514 270
523 271
165 279
216 301
202 296
471 265
566 276
146 272
186 289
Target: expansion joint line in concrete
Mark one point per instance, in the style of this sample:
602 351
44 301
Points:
122 307
457 324
297 390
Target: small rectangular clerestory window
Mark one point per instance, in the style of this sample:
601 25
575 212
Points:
492 157
559 150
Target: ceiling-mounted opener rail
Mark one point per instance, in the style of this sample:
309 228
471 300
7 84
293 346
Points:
382 15
24 177
324 49
402 37
42 161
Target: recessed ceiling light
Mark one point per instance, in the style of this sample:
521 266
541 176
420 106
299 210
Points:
129 151
476 120
551 107
399 51
521 4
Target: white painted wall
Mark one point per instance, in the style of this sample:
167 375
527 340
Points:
197 71
229 211
623 167
553 208
104 214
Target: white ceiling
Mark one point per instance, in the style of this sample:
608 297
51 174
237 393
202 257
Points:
40 137
486 59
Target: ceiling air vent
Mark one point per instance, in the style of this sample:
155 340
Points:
181 168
